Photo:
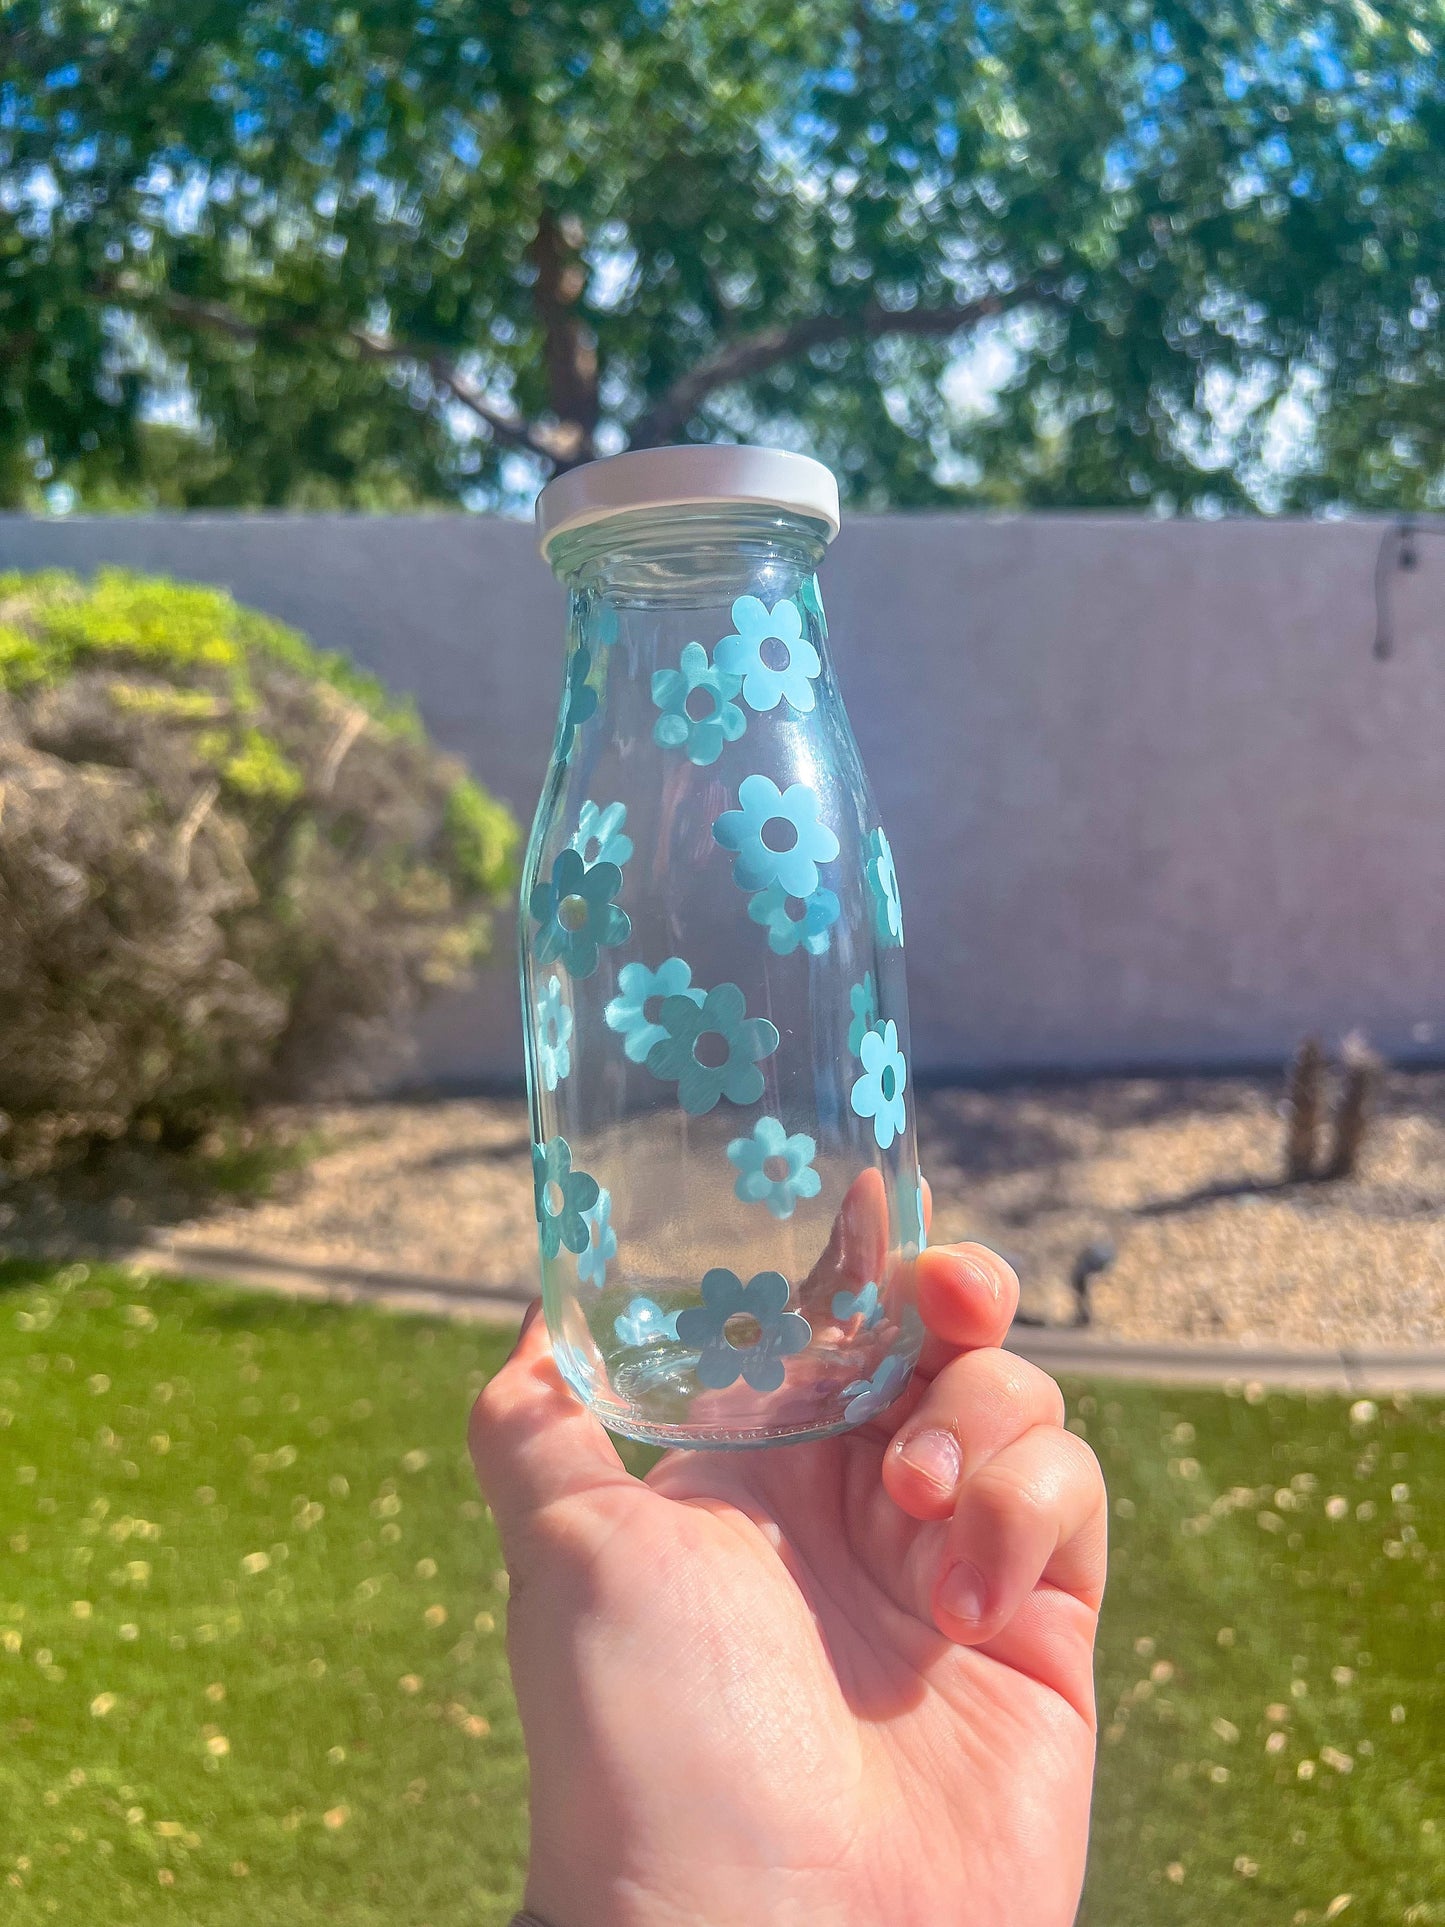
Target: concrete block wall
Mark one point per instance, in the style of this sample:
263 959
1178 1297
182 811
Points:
1153 802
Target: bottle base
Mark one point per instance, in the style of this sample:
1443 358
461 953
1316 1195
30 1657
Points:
663 1384
695 1439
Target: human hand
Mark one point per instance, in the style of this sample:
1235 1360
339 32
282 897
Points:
846 1682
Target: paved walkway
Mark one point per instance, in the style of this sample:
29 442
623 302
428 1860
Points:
1058 1350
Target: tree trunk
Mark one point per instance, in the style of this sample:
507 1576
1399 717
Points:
569 351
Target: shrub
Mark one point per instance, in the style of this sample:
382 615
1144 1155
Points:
230 866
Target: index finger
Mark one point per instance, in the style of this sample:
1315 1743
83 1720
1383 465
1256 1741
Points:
966 1296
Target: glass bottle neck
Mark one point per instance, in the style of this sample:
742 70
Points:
689 557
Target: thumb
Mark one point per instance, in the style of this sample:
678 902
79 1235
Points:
532 1440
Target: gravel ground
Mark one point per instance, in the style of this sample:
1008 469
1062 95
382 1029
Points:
1178 1175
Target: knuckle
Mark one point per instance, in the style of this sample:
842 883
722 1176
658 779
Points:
1086 1466
1021 1385
565 1536
489 1408
990 1371
1005 1498
1044 1394
483 1409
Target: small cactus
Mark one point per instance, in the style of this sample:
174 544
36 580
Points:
1304 1111
1361 1068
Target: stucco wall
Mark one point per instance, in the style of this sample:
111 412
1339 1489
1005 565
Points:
1152 800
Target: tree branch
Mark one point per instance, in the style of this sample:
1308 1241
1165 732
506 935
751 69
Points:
768 348
571 358
513 431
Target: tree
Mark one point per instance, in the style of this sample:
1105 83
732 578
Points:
284 252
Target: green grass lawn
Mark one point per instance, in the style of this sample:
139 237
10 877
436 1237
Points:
251 1610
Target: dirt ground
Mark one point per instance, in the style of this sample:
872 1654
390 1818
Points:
1177 1176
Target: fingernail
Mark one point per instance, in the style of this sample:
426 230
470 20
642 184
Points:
984 1275
933 1456
962 1594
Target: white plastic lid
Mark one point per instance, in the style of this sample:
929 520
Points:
661 478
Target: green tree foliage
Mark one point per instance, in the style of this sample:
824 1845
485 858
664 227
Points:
230 867
426 250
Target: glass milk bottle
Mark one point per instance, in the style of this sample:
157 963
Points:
727 1190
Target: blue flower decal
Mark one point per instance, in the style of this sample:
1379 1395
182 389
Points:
554 1033
767 682
581 701
866 1304
599 837
910 1211
604 625
878 1093
601 1246
883 882
677 727
868 1396
790 855
562 1196
756 1354
863 1002
576 913
740 1042
791 921
773 1168
637 987
644 1323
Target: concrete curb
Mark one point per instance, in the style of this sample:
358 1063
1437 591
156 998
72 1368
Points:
1072 1352
1058 1350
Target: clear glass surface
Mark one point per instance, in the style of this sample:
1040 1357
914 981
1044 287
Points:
727 1185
